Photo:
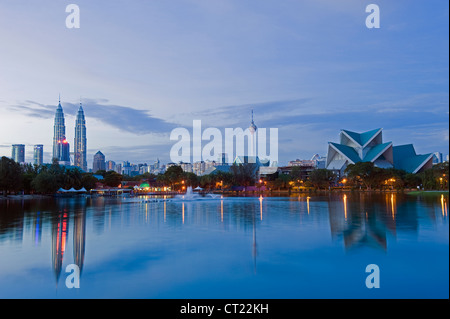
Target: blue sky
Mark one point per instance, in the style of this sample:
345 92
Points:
308 68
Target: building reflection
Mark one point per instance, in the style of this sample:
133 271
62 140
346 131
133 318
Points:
254 245
360 221
356 219
59 239
60 234
79 237
369 219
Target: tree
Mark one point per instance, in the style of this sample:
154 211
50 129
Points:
190 179
72 178
29 173
45 182
112 179
88 181
244 174
174 175
412 180
321 178
364 174
10 175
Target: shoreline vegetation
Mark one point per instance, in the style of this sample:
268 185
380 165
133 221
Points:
272 193
26 181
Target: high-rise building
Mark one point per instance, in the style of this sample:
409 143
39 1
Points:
110 165
99 162
252 130
38 154
18 153
61 148
80 140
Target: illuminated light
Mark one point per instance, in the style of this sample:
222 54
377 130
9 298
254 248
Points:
182 216
443 206
64 141
307 203
164 209
392 206
260 206
345 206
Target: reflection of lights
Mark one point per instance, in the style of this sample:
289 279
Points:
307 203
182 215
392 205
443 206
345 206
221 211
260 205
164 209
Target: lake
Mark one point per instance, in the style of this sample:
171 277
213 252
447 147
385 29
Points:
297 247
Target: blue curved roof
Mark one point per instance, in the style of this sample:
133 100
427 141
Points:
362 138
405 158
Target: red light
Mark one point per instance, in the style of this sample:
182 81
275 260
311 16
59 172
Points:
65 141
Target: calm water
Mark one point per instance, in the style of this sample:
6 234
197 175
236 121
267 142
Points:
277 247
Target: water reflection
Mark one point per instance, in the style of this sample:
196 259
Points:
355 220
59 239
60 234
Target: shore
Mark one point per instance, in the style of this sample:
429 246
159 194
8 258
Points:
24 197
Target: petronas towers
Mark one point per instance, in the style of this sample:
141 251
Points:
61 148
80 140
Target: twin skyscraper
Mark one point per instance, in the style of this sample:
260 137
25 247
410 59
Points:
61 147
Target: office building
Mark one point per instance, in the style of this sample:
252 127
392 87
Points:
60 144
99 162
38 154
18 153
80 145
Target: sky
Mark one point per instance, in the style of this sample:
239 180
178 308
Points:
142 68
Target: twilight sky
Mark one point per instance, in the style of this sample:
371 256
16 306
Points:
142 68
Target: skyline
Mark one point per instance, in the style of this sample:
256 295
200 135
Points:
309 69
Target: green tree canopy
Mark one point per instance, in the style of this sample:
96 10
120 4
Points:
10 175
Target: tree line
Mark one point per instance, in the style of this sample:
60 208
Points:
47 179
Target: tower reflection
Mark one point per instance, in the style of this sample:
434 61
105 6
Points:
60 235
359 223
59 239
